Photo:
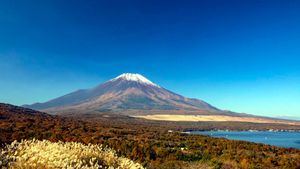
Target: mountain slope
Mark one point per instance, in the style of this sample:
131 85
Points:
125 92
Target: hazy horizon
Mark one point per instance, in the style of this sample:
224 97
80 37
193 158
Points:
241 56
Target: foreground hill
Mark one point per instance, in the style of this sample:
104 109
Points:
146 142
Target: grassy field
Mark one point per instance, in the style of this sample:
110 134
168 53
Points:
214 118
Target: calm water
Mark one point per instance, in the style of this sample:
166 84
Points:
281 139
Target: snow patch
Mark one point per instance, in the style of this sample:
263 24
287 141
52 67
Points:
135 77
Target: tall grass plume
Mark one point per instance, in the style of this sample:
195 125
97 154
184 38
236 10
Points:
67 155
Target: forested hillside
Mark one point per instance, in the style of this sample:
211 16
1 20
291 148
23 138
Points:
150 144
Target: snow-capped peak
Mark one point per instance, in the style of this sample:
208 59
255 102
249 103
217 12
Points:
135 77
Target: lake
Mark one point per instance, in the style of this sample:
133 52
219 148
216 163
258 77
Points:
281 139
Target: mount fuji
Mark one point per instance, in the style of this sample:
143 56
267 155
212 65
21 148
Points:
125 93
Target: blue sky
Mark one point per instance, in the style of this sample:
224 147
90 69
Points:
242 56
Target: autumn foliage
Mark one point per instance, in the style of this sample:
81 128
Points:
148 143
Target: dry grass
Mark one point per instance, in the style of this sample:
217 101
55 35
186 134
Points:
219 118
45 154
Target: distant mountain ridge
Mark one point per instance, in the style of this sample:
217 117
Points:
126 92
12 111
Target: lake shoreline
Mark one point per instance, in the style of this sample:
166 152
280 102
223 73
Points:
188 131
285 139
